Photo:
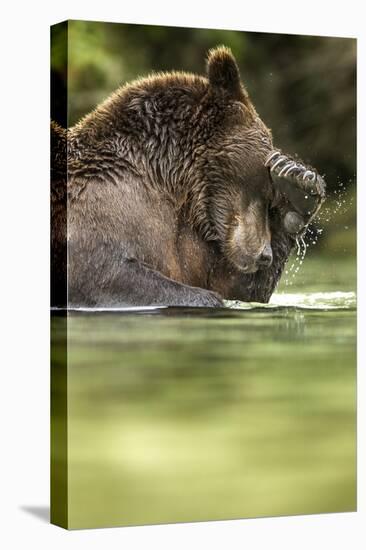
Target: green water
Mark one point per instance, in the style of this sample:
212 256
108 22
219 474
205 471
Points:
184 415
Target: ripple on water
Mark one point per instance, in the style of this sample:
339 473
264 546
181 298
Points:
312 300
321 301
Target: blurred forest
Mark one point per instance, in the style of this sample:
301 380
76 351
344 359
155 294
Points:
304 88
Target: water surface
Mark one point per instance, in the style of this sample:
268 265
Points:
182 414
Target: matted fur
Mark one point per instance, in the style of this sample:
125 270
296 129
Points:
167 178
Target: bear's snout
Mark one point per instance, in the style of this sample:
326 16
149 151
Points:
249 246
250 262
266 257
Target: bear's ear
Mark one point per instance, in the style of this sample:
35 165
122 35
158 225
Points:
223 72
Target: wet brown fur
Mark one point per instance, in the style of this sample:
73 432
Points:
167 193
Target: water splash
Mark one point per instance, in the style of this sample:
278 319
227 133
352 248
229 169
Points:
338 203
291 272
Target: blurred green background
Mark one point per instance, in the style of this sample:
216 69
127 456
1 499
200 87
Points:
304 88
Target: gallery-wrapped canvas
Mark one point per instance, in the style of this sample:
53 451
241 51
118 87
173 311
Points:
203 274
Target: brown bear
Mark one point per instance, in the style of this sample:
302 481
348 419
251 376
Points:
174 195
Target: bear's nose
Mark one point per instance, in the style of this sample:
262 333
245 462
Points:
266 257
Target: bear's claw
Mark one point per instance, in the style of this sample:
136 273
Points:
304 177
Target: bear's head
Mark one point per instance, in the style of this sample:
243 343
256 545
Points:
233 188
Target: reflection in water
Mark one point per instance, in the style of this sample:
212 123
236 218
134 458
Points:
179 414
